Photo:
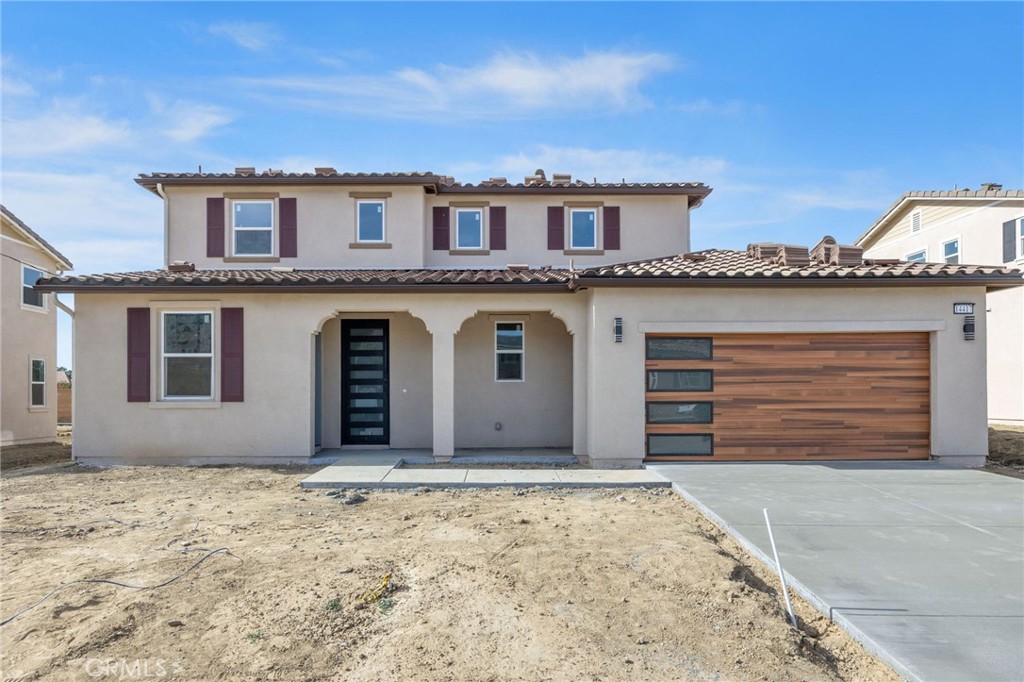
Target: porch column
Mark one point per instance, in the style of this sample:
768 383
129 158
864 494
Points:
444 392
579 394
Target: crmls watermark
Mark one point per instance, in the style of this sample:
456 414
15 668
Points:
131 669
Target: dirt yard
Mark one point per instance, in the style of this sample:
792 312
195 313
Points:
1006 451
486 585
37 454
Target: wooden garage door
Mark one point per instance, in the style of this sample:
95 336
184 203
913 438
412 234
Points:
787 396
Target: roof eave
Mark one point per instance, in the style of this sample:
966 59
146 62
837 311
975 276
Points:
791 282
301 288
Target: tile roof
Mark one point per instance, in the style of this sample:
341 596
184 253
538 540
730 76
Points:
719 265
277 279
713 267
57 255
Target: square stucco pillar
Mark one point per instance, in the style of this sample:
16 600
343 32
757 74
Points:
579 396
444 394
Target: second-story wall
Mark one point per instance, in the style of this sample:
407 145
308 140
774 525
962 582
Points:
325 220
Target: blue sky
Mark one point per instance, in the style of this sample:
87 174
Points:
806 119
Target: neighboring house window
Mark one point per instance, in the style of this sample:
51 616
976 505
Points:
509 352
583 228
252 227
370 215
37 383
917 257
951 252
915 221
469 228
1020 229
187 355
29 296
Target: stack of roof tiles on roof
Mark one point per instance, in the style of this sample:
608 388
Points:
712 267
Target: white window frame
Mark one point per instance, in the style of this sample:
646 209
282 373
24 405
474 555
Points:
923 252
28 306
916 222
958 254
597 228
164 355
521 351
1020 238
483 228
31 383
383 221
272 228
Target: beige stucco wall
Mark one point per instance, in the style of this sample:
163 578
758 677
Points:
24 334
533 413
979 227
651 226
616 419
1006 356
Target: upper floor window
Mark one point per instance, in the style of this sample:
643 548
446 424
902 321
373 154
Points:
469 228
917 257
583 228
951 252
187 355
370 220
37 383
29 296
252 227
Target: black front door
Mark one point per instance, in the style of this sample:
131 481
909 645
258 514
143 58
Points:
364 382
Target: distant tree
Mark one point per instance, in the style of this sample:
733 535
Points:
66 371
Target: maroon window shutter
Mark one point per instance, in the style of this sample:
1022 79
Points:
612 240
232 356
498 228
138 355
556 228
289 228
215 227
442 222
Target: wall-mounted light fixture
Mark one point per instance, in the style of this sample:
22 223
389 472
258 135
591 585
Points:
969 328
617 330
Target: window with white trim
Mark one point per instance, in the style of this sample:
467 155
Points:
1020 240
37 383
583 228
29 296
509 352
469 228
370 215
951 251
186 350
252 227
915 221
917 257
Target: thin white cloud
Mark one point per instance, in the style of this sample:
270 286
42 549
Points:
64 128
248 35
184 121
509 85
706 107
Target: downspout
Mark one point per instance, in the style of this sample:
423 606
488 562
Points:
167 214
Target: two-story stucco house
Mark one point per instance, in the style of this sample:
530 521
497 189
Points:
963 226
301 312
28 334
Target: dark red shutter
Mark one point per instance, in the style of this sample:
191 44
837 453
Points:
498 228
1010 241
442 222
138 355
289 227
612 240
215 228
232 356
556 228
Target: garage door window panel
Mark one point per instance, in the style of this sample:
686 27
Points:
679 380
675 348
672 445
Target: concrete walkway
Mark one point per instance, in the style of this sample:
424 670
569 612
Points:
923 564
389 475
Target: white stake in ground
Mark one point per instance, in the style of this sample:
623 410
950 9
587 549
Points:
782 574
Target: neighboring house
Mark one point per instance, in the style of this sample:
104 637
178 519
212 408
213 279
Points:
983 227
326 310
28 334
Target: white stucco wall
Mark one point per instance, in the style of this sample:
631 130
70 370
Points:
1006 356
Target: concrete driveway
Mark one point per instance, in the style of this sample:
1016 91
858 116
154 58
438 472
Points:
923 564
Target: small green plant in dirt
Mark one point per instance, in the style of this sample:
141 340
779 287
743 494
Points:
333 605
385 604
255 636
